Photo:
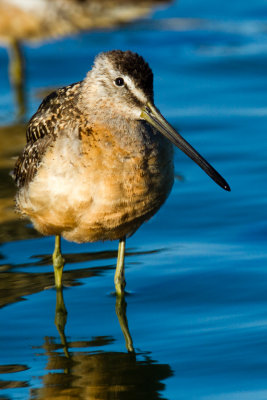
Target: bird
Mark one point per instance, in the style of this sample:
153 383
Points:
98 161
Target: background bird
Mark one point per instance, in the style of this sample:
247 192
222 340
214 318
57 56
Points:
99 158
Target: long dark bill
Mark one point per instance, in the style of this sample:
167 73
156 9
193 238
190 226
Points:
154 117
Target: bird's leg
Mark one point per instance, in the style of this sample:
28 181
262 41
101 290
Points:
119 278
58 262
17 74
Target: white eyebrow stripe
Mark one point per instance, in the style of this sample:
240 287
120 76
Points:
137 92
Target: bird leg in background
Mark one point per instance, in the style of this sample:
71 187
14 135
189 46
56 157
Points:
119 278
58 262
17 74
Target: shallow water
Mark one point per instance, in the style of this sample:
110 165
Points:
196 273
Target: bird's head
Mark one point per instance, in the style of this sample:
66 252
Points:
121 83
121 80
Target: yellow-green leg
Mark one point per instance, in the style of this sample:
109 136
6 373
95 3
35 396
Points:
119 278
58 262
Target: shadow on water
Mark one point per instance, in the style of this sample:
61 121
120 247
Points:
16 285
70 258
8 384
76 374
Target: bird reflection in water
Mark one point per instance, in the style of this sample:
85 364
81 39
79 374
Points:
98 375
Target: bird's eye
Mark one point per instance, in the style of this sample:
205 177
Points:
119 82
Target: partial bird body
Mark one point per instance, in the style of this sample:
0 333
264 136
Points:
97 163
96 187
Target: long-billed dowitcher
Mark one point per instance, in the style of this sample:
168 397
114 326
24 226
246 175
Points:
99 158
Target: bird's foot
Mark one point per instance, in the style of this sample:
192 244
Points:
120 286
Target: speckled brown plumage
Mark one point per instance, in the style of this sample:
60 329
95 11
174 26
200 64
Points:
42 130
53 107
27 164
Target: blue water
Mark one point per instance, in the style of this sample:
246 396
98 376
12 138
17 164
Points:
197 272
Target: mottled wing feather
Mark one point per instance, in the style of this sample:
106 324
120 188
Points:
44 120
41 133
29 161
